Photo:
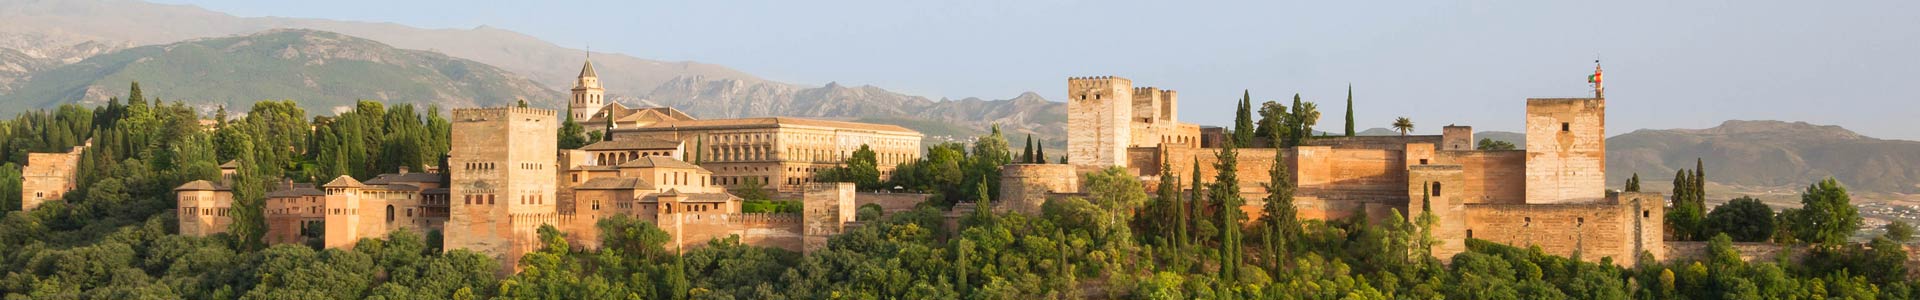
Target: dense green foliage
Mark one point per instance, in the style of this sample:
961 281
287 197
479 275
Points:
1687 217
1744 219
1490 144
949 171
113 237
862 169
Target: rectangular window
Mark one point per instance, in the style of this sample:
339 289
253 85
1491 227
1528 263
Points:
1564 127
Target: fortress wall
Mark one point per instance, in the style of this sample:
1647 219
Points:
890 202
1492 177
1024 187
1372 142
780 230
1594 230
1360 171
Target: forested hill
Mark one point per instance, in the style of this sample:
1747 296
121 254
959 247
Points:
1769 154
324 71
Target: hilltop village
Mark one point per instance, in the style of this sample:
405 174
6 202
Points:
504 177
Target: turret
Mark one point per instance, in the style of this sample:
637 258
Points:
588 96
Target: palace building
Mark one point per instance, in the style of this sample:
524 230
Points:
782 153
505 177
1552 194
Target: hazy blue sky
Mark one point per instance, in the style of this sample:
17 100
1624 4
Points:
1671 64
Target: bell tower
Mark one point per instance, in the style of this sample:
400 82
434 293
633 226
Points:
587 94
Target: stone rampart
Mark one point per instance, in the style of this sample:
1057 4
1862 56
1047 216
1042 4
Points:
1492 177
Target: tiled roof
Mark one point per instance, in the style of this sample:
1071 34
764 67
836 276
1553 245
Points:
772 122
615 183
659 162
201 185
231 164
391 178
692 197
343 181
295 192
587 71
632 144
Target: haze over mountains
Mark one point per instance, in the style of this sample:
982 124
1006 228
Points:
38 35
54 52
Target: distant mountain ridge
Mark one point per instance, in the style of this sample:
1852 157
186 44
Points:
321 70
47 34
1769 154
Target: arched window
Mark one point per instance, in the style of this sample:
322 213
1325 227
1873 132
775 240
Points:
1436 189
389 213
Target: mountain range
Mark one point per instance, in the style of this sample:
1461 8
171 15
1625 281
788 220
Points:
84 51
42 35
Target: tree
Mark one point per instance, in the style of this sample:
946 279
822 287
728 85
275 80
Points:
1350 110
1243 127
1226 198
1040 152
1633 184
1281 217
1273 119
1900 232
1490 144
1744 219
989 153
572 135
1403 125
752 189
1305 115
1027 158
1687 214
1827 215
521 103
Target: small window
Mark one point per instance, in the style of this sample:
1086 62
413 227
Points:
1436 189
1564 127
1646 214
1423 161
1469 233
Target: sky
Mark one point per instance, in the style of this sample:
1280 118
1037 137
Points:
1669 64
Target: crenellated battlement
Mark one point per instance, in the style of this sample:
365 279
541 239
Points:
488 113
1094 82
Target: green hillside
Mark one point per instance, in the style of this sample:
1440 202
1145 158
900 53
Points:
323 70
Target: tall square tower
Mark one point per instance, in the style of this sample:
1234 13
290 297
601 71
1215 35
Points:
502 168
1099 111
1566 150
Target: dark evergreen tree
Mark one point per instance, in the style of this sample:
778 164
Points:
1225 195
571 134
1027 157
1243 121
1040 152
1350 110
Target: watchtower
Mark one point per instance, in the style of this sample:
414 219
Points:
342 212
1099 113
503 163
1566 150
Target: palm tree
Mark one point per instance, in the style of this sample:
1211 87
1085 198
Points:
1403 124
1309 116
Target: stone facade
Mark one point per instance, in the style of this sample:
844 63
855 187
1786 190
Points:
205 208
781 153
505 192
1106 115
1550 195
48 176
1566 150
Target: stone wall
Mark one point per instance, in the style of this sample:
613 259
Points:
891 202
1566 150
1678 251
1619 231
1024 187
500 195
1372 142
1492 177
827 207
1099 129
1457 138
47 177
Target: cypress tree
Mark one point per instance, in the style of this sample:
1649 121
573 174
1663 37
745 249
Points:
1281 215
1700 181
1027 158
1349 110
1225 194
1243 120
1040 153
1170 193
1633 184
1196 212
